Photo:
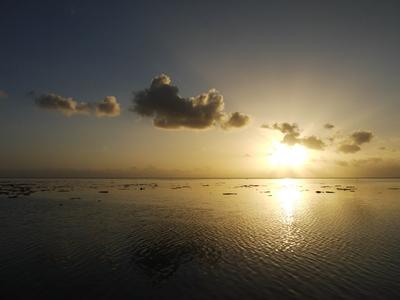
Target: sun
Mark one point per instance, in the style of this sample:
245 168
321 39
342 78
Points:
286 155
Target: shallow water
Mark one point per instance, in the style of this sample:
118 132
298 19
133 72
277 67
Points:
200 239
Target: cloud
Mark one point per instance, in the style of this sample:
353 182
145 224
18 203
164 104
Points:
362 137
3 94
313 142
329 126
349 148
162 102
355 140
69 106
235 120
109 107
287 128
292 136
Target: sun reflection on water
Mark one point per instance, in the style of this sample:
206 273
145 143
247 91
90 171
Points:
289 196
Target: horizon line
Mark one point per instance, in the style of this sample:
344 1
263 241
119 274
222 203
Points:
194 177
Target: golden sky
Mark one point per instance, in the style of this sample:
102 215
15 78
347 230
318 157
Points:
263 90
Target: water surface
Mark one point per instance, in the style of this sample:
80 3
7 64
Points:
200 239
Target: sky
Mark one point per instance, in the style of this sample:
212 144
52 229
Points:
204 89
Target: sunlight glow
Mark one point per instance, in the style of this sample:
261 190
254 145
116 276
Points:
285 155
288 195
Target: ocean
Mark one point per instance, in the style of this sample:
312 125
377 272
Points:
200 238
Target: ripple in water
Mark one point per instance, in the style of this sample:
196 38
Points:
200 239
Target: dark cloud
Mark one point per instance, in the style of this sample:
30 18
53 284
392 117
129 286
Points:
69 106
292 136
355 140
349 148
313 142
287 128
291 139
162 102
362 137
329 126
3 94
235 120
